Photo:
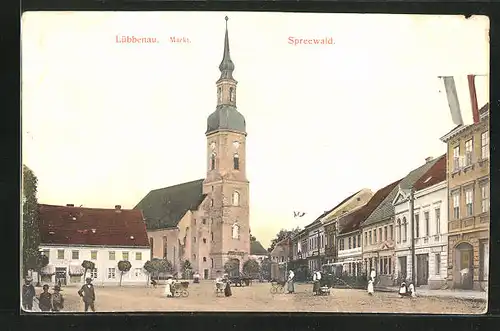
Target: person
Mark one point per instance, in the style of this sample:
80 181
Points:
411 290
316 282
373 274
290 285
227 288
370 286
45 300
57 299
196 277
169 287
88 294
28 294
402 290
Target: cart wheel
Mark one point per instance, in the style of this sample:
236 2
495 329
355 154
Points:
177 294
273 290
184 293
281 289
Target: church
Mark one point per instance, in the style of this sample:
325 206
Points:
206 221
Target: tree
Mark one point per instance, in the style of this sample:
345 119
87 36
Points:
37 263
186 269
265 269
123 266
231 266
282 234
149 266
30 229
251 267
156 266
87 265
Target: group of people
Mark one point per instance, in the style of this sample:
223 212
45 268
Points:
170 286
404 289
223 282
46 301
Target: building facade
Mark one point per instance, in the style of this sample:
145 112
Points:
70 235
468 174
431 226
207 221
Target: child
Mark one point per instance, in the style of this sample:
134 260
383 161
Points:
370 287
402 290
45 300
57 299
411 289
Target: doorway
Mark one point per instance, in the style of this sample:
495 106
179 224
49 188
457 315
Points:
422 269
205 273
464 254
403 267
61 276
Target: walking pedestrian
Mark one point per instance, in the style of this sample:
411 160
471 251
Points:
316 282
227 289
370 287
290 284
28 294
411 290
403 290
57 299
45 299
168 287
88 294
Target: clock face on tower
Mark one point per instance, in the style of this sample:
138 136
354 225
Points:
212 145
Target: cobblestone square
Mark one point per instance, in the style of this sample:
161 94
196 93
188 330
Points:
257 298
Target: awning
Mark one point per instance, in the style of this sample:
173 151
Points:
76 269
48 270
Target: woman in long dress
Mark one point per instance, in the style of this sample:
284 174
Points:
370 287
290 285
168 287
227 289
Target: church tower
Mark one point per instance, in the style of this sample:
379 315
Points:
226 183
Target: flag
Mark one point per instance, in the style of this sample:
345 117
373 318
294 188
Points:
298 214
462 97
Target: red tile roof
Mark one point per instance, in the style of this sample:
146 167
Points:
62 225
351 222
436 174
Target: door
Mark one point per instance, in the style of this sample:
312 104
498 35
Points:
61 276
466 264
422 269
205 273
403 267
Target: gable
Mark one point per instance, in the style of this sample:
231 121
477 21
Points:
400 198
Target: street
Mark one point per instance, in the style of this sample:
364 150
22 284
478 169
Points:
258 298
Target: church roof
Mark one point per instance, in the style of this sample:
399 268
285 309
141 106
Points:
256 248
386 208
66 225
165 207
226 117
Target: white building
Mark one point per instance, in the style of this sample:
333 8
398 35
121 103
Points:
431 225
70 235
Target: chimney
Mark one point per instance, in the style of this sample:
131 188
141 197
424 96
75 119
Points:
118 208
70 205
428 159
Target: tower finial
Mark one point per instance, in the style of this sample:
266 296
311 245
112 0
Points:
226 67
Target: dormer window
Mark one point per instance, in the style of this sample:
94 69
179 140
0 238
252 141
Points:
236 161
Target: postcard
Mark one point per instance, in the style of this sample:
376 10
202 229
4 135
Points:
255 162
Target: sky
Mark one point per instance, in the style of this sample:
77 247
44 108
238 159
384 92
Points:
103 123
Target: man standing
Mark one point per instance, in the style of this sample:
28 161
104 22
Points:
316 282
28 294
88 294
45 299
290 286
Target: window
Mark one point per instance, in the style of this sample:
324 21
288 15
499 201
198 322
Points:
212 262
204 240
236 161
236 231
138 256
137 272
236 198
150 246
212 161
375 236
456 158
194 256
370 233
485 145
437 263
212 234
75 255
468 152
111 273
380 235
93 273
398 236
385 233
468 201
390 265
46 252
485 198
60 254
194 239
456 205
349 243
426 220
93 255
231 94
341 242
437 213
366 238
405 228
125 256
359 240
354 242
381 266
219 94
391 232
211 202
417 225
111 255
204 259
165 247
204 221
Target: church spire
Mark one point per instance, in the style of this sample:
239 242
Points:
226 67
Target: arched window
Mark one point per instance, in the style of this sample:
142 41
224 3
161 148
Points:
236 161
405 230
194 256
399 231
236 231
236 198
219 94
231 94
204 259
212 234
212 161
211 202
212 261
